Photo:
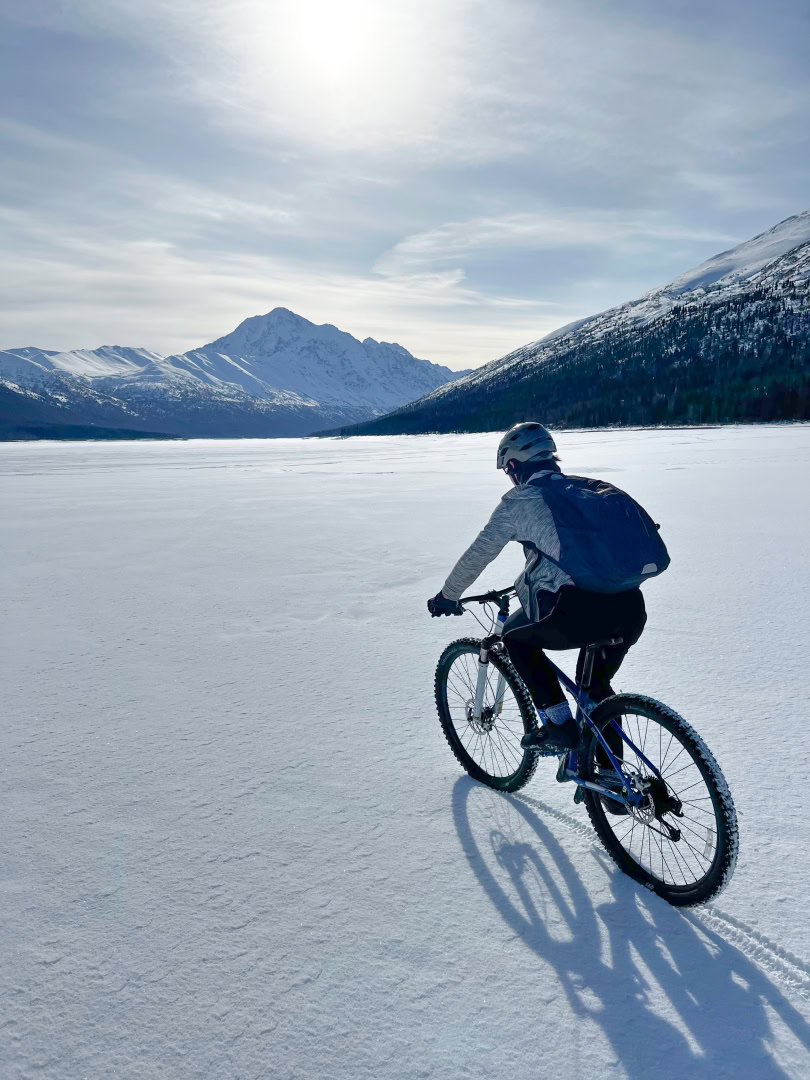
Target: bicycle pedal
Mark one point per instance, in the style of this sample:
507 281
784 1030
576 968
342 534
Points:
579 795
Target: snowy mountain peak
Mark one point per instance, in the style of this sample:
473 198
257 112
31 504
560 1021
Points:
741 262
732 268
263 329
320 362
307 376
262 332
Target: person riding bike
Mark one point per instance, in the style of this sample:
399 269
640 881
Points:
556 613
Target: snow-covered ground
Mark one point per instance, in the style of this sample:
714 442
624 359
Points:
234 843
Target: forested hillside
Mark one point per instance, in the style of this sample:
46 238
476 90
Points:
727 342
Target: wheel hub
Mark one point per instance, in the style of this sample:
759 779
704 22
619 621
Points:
665 802
486 721
657 800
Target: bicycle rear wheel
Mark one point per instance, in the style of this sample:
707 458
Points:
682 842
488 748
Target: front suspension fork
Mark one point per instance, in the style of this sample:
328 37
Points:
481 686
483 671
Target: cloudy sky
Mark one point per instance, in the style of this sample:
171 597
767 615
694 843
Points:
458 176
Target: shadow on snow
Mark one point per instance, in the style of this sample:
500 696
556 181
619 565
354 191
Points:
663 987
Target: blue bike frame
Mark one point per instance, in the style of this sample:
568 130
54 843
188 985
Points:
569 766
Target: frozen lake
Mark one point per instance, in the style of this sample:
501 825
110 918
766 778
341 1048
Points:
234 842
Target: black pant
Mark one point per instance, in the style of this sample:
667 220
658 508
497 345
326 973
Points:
578 618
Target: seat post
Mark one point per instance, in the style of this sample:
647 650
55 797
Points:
590 655
587 667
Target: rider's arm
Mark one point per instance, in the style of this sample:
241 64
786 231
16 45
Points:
489 543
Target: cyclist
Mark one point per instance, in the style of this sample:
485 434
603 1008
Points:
555 614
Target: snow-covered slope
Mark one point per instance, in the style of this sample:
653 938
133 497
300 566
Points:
747 298
32 366
741 263
762 260
276 374
109 360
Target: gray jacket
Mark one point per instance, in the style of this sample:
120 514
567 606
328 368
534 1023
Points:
522 515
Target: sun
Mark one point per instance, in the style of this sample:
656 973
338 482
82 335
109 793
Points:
351 71
337 44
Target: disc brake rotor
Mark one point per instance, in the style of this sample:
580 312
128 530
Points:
486 721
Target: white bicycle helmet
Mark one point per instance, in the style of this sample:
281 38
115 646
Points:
528 441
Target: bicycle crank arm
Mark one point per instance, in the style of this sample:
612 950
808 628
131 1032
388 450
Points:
565 775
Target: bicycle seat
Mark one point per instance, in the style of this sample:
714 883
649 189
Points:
605 642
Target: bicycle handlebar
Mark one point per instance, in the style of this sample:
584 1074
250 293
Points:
492 597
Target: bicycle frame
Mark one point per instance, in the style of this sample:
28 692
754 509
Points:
569 766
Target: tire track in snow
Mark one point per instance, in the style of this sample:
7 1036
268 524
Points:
777 961
785 967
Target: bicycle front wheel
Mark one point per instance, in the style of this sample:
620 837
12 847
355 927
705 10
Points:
487 748
682 841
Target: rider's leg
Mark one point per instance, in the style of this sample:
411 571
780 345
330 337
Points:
612 615
576 619
617 615
524 643
590 617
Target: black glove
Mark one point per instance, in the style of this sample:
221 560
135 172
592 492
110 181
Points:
440 605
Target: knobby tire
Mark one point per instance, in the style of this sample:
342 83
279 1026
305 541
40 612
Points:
525 761
716 808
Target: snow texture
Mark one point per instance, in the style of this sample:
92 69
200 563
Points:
235 843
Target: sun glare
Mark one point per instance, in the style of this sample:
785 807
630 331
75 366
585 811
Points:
336 42
356 71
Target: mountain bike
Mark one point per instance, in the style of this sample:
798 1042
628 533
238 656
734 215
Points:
654 793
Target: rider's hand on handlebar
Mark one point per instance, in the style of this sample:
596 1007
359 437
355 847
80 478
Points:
440 605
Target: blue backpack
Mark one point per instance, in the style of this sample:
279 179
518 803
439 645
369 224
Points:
608 543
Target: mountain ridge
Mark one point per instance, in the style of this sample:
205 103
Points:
748 304
274 374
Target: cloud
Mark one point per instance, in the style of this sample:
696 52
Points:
195 298
443 78
731 191
547 231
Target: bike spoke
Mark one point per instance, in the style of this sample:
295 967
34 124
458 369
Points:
493 741
680 863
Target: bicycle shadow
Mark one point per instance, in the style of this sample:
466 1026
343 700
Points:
663 987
